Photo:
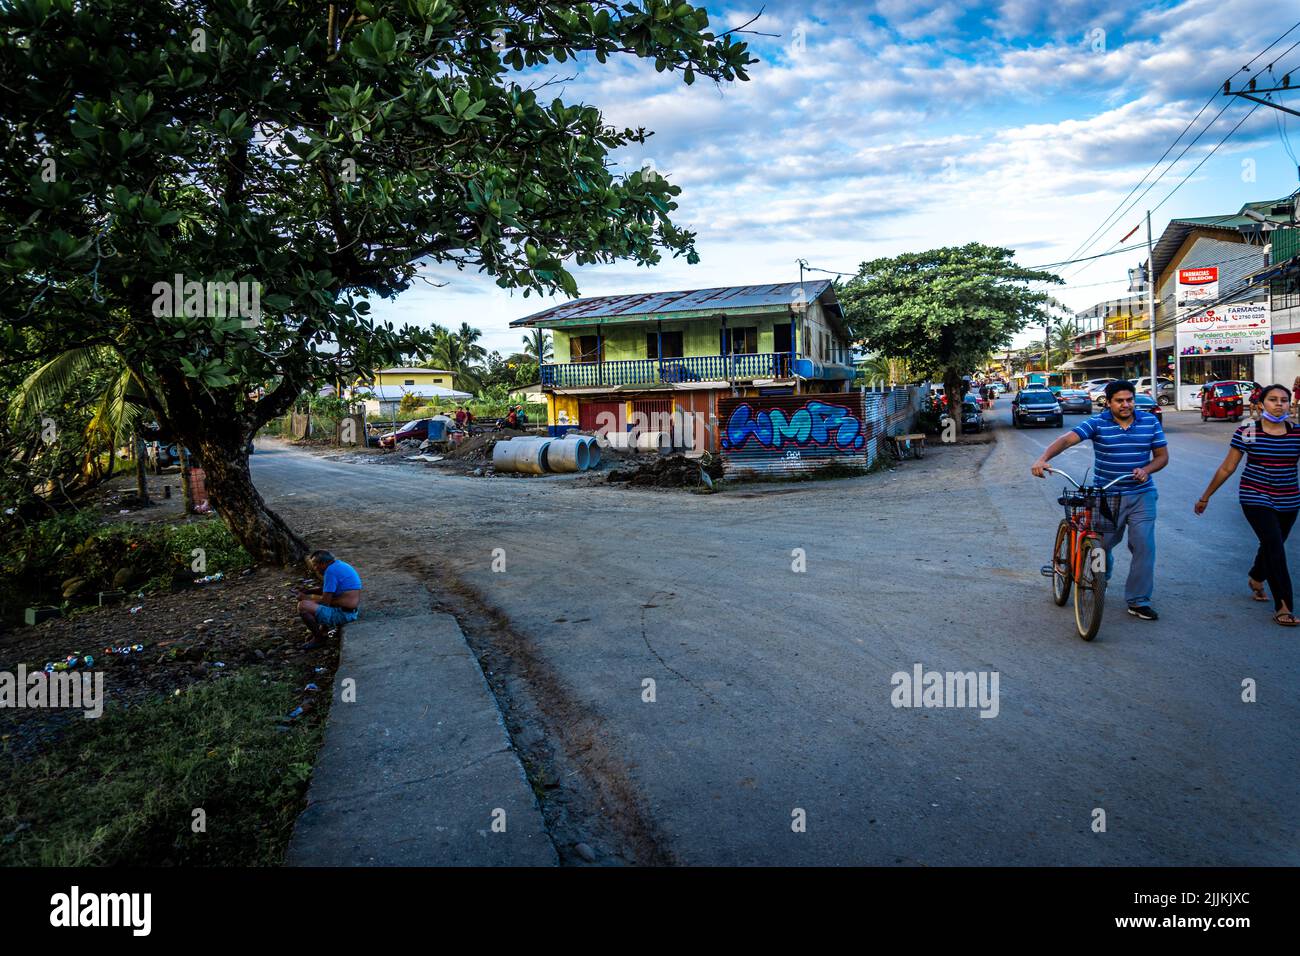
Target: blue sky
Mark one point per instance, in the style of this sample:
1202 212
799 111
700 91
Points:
887 126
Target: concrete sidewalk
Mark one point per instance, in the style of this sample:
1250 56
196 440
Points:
414 772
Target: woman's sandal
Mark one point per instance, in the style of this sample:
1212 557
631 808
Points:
1257 588
1286 619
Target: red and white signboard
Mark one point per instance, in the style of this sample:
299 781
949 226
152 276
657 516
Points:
1197 286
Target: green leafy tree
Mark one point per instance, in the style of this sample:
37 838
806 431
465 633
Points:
944 310
290 160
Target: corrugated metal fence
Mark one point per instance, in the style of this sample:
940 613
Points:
788 434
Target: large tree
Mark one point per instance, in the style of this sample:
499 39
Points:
318 154
942 311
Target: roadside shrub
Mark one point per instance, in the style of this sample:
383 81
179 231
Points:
75 549
31 555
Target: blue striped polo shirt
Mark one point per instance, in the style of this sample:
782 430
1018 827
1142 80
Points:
1117 451
1269 479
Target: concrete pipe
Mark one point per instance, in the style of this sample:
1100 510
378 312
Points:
525 455
593 447
568 456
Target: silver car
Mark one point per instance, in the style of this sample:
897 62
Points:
1074 401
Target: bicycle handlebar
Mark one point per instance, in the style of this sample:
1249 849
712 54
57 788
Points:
1066 475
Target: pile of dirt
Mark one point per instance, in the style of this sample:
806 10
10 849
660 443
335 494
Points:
671 471
478 448
185 638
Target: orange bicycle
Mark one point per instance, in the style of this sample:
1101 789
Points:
1078 558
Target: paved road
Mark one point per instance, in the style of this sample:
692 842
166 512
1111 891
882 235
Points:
773 687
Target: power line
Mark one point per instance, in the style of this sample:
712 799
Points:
1203 161
1087 243
1101 255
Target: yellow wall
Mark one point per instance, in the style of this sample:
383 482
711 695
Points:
420 377
561 403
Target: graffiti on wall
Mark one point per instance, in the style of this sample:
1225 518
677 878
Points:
817 425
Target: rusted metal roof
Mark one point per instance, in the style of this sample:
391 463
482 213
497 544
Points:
712 301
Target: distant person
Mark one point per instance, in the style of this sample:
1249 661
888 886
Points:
1269 495
337 603
460 416
1256 401
512 417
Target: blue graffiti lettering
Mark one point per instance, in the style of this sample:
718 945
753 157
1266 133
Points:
816 424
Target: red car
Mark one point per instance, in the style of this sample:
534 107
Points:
417 430
1221 400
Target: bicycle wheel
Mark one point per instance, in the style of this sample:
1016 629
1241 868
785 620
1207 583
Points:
1090 589
1061 576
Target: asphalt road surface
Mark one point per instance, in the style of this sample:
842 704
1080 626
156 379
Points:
772 737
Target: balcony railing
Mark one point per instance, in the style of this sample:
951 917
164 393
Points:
695 368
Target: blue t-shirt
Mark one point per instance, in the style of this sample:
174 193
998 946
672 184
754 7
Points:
1117 451
340 576
1269 480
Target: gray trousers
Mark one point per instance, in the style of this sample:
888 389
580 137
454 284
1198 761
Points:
1137 516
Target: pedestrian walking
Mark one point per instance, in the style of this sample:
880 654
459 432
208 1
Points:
1127 443
1268 493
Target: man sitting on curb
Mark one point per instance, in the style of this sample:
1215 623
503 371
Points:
338 603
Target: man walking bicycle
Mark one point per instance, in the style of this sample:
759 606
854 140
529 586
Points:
1129 443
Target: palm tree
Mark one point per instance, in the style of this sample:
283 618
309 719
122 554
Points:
537 346
469 337
1061 339
119 407
453 353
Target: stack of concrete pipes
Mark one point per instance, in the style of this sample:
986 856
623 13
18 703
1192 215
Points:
536 456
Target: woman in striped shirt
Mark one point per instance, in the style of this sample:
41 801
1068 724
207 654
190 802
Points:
1269 494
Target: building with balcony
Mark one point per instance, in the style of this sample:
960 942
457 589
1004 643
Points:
1108 338
674 354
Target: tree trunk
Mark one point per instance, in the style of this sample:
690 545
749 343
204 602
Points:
187 489
260 530
141 484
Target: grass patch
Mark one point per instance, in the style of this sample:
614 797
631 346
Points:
121 790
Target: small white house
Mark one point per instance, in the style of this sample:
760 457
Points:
529 393
382 401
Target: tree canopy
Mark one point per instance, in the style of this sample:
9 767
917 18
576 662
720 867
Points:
945 309
215 189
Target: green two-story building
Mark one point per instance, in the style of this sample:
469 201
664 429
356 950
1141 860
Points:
677 353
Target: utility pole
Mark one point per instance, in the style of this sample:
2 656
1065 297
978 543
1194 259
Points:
1047 347
1151 316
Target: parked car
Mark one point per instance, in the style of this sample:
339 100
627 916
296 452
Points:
1074 401
417 430
1097 390
998 386
1036 405
1222 400
1148 404
1095 383
1165 394
972 417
